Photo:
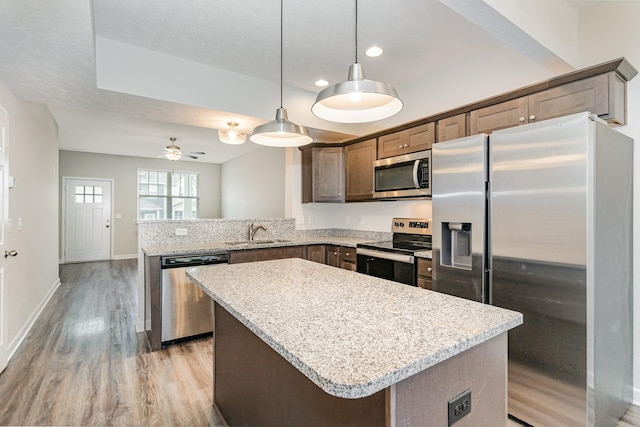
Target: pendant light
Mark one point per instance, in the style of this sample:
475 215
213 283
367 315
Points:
281 132
357 100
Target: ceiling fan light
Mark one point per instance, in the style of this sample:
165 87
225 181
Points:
173 156
281 132
231 135
357 100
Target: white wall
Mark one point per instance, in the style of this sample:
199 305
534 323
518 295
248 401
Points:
124 171
32 276
253 184
608 31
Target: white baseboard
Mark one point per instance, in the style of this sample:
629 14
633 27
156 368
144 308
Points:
127 256
636 396
15 343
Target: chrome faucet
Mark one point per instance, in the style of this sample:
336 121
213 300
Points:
253 229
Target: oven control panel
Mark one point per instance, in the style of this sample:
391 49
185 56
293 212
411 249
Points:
411 226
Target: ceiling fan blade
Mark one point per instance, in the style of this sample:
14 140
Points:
200 153
189 155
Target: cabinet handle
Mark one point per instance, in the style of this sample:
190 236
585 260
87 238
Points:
347 254
522 119
405 145
429 269
532 117
400 146
335 253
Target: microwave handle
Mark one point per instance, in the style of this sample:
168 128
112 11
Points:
416 166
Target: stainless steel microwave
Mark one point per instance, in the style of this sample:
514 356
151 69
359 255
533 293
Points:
403 176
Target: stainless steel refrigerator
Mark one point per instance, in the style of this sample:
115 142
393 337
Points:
538 219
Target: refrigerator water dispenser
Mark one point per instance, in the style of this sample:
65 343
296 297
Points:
456 245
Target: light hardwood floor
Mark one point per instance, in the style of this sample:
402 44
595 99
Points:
83 364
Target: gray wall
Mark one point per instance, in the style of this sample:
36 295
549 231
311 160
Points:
254 184
124 171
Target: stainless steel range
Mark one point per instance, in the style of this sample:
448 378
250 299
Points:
395 259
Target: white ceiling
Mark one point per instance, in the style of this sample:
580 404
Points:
122 76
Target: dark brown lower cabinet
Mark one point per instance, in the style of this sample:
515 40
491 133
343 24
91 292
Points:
251 255
424 273
316 253
341 257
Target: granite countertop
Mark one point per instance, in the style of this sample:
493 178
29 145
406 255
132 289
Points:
166 249
351 334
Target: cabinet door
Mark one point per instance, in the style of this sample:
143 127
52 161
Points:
425 267
424 273
358 159
590 94
392 144
406 141
452 127
251 255
499 116
316 253
328 174
420 137
333 256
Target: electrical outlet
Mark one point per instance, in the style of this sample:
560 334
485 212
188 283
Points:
459 407
181 231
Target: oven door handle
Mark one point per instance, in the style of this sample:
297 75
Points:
407 259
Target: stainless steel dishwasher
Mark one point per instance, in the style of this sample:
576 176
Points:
186 309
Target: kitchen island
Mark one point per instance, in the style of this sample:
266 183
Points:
301 343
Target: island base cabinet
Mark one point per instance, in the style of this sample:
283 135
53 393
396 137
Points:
256 386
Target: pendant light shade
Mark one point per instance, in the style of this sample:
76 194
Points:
281 132
357 100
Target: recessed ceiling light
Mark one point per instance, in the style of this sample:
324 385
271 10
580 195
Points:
322 83
374 51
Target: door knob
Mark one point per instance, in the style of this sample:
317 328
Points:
107 226
12 252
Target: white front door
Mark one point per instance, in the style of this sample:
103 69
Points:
87 219
4 214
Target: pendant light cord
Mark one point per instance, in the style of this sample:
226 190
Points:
356 31
281 49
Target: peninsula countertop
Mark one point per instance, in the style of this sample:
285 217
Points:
351 334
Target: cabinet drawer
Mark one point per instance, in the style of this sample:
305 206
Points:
347 254
425 267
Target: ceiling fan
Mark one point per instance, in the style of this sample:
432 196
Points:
173 152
